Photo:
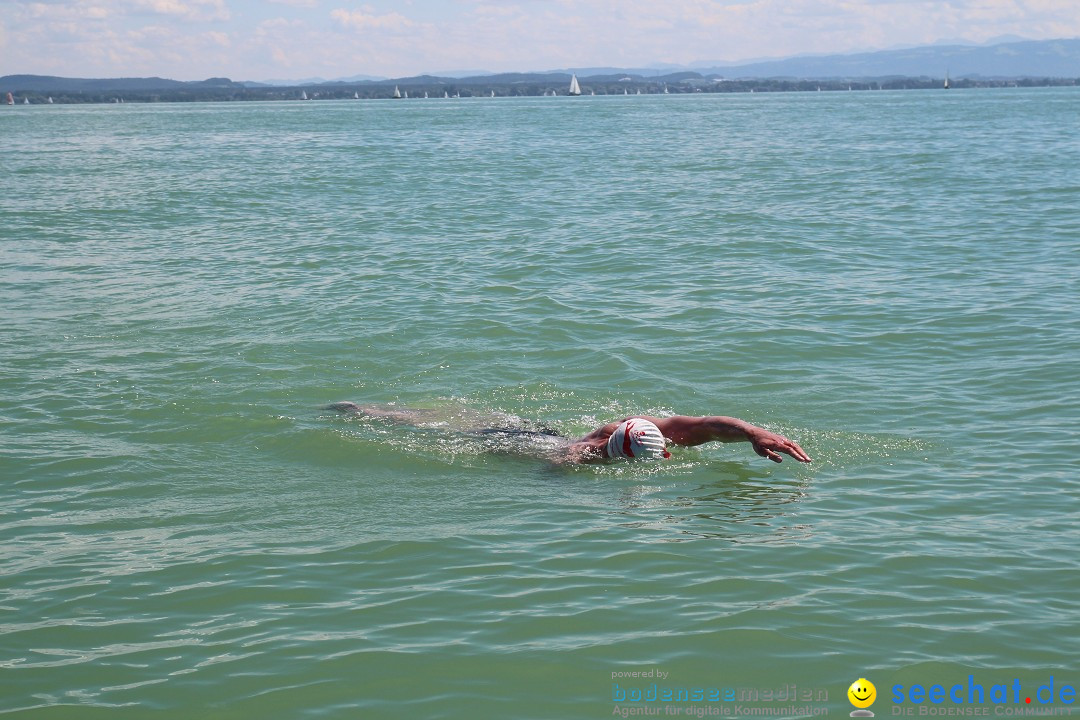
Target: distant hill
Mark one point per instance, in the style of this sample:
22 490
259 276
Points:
455 74
48 83
1032 58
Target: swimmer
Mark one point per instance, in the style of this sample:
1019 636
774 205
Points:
638 437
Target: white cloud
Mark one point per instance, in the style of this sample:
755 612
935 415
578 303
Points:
365 19
244 38
191 10
219 38
49 12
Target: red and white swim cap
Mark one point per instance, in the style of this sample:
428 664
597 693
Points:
637 439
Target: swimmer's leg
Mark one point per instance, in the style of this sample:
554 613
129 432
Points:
456 421
344 407
402 416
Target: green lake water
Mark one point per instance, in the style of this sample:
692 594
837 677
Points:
892 279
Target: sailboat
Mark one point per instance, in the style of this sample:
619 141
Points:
492 93
425 95
10 99
397 93
575 89
406 95
49 100
446 95
26 101
356 96
946 79
303 95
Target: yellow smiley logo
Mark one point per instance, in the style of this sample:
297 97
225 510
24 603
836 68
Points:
862 693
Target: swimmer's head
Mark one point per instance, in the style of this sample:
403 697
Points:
637 439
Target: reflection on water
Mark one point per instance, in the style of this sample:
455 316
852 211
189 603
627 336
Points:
746 505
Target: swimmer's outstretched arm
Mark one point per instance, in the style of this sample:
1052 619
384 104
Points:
688 431
685 430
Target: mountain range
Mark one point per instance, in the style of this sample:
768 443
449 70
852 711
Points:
1010 58
1030 58
1023 59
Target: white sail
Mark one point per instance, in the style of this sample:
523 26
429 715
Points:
575 89
492 93
446 95
397 93
303 94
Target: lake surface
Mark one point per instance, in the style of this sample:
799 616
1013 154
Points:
890 278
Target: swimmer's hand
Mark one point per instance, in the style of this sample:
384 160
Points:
769 445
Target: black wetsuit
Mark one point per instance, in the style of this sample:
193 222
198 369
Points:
546 432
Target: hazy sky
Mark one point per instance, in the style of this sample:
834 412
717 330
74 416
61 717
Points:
293 39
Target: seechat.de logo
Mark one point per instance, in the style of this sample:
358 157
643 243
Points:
862 695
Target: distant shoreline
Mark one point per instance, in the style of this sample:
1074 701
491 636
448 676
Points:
441 88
